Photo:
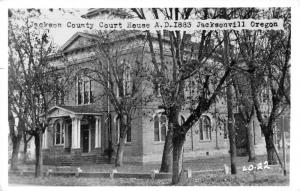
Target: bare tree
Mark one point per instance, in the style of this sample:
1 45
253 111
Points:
26 139
122 74
193 64
33 77
267 56
230 100
16 136
242 89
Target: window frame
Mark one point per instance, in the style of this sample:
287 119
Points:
127 80
205 129
61 133
84 82
160 123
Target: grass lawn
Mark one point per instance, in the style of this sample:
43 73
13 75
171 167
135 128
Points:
268 177
195 165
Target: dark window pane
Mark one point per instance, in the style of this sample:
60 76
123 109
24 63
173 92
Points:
163 127
163 132
57 134
128 139
200 129
86 97
225 131
91 97
62 134
79 92
156 128
79 99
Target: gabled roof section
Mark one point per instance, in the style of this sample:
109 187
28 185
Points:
83 109
116 12
62 111
76 36
90 39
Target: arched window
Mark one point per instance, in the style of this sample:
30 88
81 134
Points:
85 89
59 133
160 127
204 128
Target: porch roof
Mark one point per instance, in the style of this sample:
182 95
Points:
59 111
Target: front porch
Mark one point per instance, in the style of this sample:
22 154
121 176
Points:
75 136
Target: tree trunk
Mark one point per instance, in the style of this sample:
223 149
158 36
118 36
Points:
124 122
16 137
250 142
120 151
270 148
178 174
166 162
14 157
38 154
25 150
231 129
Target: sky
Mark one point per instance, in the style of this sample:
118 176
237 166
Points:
60 36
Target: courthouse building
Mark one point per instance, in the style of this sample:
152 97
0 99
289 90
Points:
83 121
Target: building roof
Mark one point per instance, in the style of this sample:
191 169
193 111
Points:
112 36
117 12
76 36
60 111
83 109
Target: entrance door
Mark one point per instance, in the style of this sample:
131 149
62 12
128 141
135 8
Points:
85 142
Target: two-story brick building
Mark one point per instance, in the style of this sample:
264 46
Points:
81 128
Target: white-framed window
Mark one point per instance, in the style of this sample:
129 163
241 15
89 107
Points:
126 80
85 90
59 138
160 127
204 128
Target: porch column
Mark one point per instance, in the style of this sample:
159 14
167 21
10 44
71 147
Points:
67 139
98 132
76 131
